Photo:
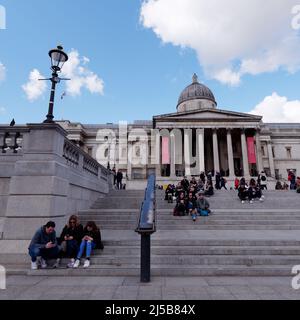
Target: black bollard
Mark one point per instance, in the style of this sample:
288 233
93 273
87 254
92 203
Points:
145 257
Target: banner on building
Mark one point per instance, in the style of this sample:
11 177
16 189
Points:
251 150
165 150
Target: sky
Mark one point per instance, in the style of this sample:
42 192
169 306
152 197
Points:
130 59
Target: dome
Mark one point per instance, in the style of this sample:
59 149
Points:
196 96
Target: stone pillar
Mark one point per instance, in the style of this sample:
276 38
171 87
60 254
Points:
172 157
38 190
258 152
200 149
245 155
230 154
157 152
129 161
271 159
216 151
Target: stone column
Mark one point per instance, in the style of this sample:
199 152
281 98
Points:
216 151
200 149
172 157
129 161
258 152
245 154
230 154
271 159
157 152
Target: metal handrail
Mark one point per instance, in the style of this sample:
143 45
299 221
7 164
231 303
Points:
147 218
146 227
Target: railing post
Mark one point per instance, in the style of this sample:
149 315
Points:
145 257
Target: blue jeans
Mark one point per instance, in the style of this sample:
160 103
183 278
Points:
89 247
35 251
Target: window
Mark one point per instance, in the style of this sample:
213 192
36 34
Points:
263 151
273 152
289 152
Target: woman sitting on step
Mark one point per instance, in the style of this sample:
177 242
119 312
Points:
70 239
91 240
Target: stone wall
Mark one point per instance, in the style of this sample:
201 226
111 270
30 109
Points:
45 177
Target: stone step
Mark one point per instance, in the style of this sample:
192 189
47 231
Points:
166 270
226 253
203 260
202 227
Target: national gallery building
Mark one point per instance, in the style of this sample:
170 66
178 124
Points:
197 137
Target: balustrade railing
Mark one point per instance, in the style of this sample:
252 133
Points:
11 139
76 157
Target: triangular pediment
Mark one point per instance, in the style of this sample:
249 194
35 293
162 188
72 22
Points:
211 114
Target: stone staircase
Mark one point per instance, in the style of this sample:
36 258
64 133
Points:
260 239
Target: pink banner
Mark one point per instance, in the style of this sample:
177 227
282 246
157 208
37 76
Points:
165 151
251 150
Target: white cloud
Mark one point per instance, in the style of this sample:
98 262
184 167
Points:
2 72
76 69
81 77
232 38
34 88
275 108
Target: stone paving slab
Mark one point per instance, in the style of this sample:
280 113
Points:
161 288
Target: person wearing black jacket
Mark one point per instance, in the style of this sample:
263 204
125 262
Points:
70 239
91 240
119 180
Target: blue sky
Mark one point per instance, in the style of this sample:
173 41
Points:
143 76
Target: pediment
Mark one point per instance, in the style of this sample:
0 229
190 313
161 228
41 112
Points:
210 114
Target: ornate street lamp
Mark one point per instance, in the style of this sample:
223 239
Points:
58 59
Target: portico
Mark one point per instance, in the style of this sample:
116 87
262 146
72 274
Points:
213 141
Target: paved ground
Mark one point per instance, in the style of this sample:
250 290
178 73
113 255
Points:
161 288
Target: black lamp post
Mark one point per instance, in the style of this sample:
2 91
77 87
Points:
58 59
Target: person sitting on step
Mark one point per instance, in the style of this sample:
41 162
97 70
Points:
91 240
180 208
202 205
254 191
169 194
209 190
243 193
43 246
70 239
191 205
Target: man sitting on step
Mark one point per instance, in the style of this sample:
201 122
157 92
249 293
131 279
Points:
43 246
202 205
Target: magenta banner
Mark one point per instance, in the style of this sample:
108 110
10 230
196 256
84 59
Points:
165 151
251 150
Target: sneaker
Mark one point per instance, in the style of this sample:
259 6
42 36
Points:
76 264
43 263
261 199
71 263
34 266
251 202
86 263
243 202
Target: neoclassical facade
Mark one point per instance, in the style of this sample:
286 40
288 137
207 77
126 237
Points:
198 137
